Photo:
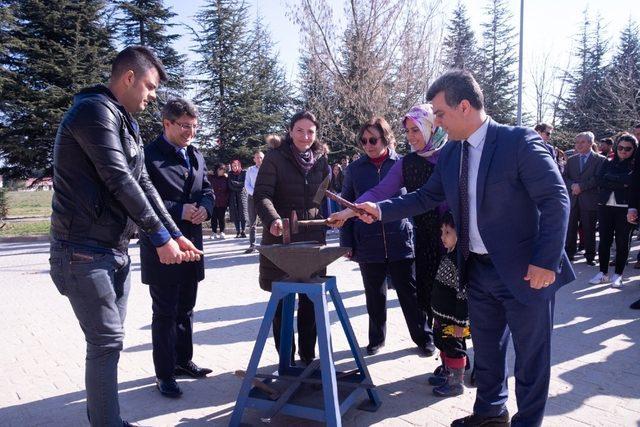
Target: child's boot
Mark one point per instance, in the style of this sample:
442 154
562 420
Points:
453 385
439 376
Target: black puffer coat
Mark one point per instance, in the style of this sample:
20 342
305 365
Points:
281 187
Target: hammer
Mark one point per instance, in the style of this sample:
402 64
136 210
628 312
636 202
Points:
323 191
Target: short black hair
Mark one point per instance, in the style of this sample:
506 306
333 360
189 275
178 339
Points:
457 85
175 108
447 219
608 141
138 59
543 127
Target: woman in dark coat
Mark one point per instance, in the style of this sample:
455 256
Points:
238 198
412 172
220 184
288 180
382 249
614 180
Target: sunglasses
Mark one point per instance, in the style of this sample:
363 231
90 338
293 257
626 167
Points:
623 148
371 140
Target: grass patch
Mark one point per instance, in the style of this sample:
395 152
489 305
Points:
24 228
29 203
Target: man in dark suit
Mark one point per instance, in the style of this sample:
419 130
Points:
580 175
178 171
511 210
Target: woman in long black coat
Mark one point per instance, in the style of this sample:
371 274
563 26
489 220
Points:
238 198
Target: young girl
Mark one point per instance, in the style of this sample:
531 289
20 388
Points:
451 322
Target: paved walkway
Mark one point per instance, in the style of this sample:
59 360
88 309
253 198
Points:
595 376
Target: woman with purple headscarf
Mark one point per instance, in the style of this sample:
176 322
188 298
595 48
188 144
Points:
411 172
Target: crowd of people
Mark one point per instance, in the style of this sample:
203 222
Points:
602 181
431 223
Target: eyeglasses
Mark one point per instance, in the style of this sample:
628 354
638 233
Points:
547 133
185 126
371 140
624 148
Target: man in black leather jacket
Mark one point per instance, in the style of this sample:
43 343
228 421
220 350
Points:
102 191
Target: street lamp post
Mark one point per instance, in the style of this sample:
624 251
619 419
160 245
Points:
519 114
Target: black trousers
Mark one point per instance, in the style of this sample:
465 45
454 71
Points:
403 279
306 323
171 328
588 220
613 220
217 219
252 220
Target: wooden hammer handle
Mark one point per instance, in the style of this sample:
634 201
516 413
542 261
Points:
347 204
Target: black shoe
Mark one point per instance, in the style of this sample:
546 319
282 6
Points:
250 250
243 235
635 305
591 262
192 370
427 349
169 387
475 420
572 258
237 235
374 349
306 361
637 265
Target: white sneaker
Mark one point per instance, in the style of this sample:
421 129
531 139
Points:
616 281
213 236
222 236
599 279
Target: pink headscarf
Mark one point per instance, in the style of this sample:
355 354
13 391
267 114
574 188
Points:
436 137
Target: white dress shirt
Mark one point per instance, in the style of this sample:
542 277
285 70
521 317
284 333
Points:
250 179
476 143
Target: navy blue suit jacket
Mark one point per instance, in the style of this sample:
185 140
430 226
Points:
522 206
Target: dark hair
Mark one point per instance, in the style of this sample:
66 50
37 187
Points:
316 147
175 108
608 141
137 59
457 85
626 137
447 219
381 125
543 127
219 166
637 126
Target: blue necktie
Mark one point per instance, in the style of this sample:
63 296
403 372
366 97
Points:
463 242
583 161
183 153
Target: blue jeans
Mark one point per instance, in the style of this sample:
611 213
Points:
97 285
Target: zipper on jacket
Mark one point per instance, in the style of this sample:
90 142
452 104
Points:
384 237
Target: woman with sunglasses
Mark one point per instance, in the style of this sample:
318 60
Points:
614 179
381 249
412 172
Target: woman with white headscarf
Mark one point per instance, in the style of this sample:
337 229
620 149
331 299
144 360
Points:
411 172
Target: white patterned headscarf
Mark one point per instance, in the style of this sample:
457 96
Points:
436 137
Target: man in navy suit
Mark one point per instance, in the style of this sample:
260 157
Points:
511 209
178 171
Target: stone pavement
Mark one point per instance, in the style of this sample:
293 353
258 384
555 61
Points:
595 375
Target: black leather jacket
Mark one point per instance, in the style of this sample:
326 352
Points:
101 186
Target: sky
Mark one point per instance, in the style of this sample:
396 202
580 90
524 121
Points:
549 26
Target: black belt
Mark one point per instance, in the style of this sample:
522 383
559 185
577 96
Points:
483 258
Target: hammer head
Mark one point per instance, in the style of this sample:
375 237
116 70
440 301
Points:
324 186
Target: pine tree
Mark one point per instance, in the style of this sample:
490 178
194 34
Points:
619 100
460 47
496 74
146 23
242 91
581 108
63 45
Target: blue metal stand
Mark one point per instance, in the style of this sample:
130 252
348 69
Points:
338 394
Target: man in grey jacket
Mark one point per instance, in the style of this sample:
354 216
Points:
580 176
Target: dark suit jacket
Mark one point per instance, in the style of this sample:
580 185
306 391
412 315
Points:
588 180
176 186
522 205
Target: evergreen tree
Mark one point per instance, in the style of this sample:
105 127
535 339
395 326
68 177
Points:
460 48
146 23
581 108
496 74
619 100
242 92
62 46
